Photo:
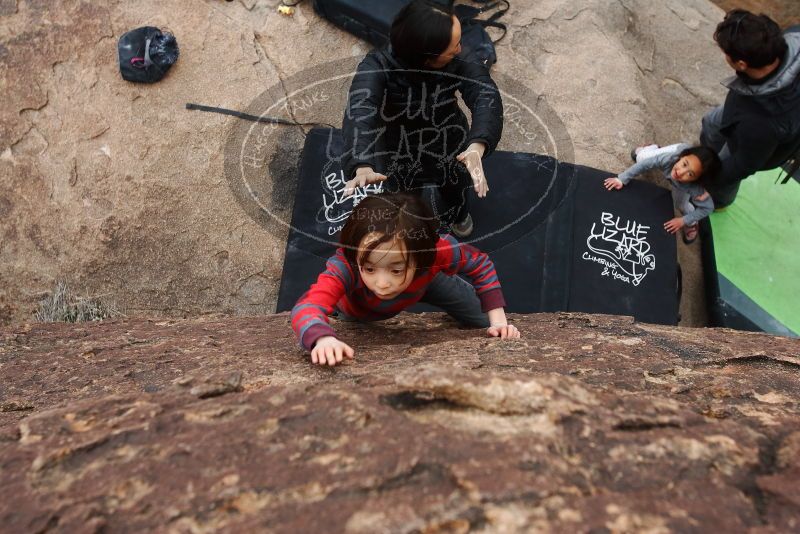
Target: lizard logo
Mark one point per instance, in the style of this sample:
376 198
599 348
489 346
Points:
622 249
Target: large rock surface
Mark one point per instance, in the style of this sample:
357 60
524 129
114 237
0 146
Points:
586 424
118 189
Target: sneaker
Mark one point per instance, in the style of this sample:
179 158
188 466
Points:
690 234
462 229
635 151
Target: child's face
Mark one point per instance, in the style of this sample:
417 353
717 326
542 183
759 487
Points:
687 169
384 271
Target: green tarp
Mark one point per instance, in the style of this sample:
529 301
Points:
756 249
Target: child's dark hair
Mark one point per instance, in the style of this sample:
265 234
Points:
709 161
755 39
420 31
403 216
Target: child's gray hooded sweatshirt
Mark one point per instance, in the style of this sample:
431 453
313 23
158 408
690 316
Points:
682 193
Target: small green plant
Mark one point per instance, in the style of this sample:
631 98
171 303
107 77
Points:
62 305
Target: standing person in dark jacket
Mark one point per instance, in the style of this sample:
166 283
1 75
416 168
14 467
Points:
403 123
758 127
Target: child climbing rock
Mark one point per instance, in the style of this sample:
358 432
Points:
391 258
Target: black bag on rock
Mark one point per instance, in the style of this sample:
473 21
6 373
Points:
371 20
146 54
367 19
476 44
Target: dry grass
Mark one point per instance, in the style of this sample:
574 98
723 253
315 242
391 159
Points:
63 305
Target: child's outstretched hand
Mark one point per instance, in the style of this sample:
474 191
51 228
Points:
673 225
503 331
612 183
329 350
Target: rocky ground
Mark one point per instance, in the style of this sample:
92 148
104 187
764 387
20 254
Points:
586 424
122 192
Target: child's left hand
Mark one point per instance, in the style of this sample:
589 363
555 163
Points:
503 331
673 225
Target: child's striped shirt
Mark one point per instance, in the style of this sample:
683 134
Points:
340 287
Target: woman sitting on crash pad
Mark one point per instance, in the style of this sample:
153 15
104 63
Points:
403 124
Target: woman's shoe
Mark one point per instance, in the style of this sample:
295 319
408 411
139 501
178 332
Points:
462 229
635 150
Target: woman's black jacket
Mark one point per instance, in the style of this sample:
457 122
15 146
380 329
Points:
392 109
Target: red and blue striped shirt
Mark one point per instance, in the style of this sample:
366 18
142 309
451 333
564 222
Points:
340 288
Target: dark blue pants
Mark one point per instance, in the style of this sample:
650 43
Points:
711 136
457 297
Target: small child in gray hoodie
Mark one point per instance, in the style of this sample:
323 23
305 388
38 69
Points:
684 166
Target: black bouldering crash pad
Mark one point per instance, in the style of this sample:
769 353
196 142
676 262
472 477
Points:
559 240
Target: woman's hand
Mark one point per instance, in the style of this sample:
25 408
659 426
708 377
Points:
364 176
329 350
612 183
471 158
673 225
